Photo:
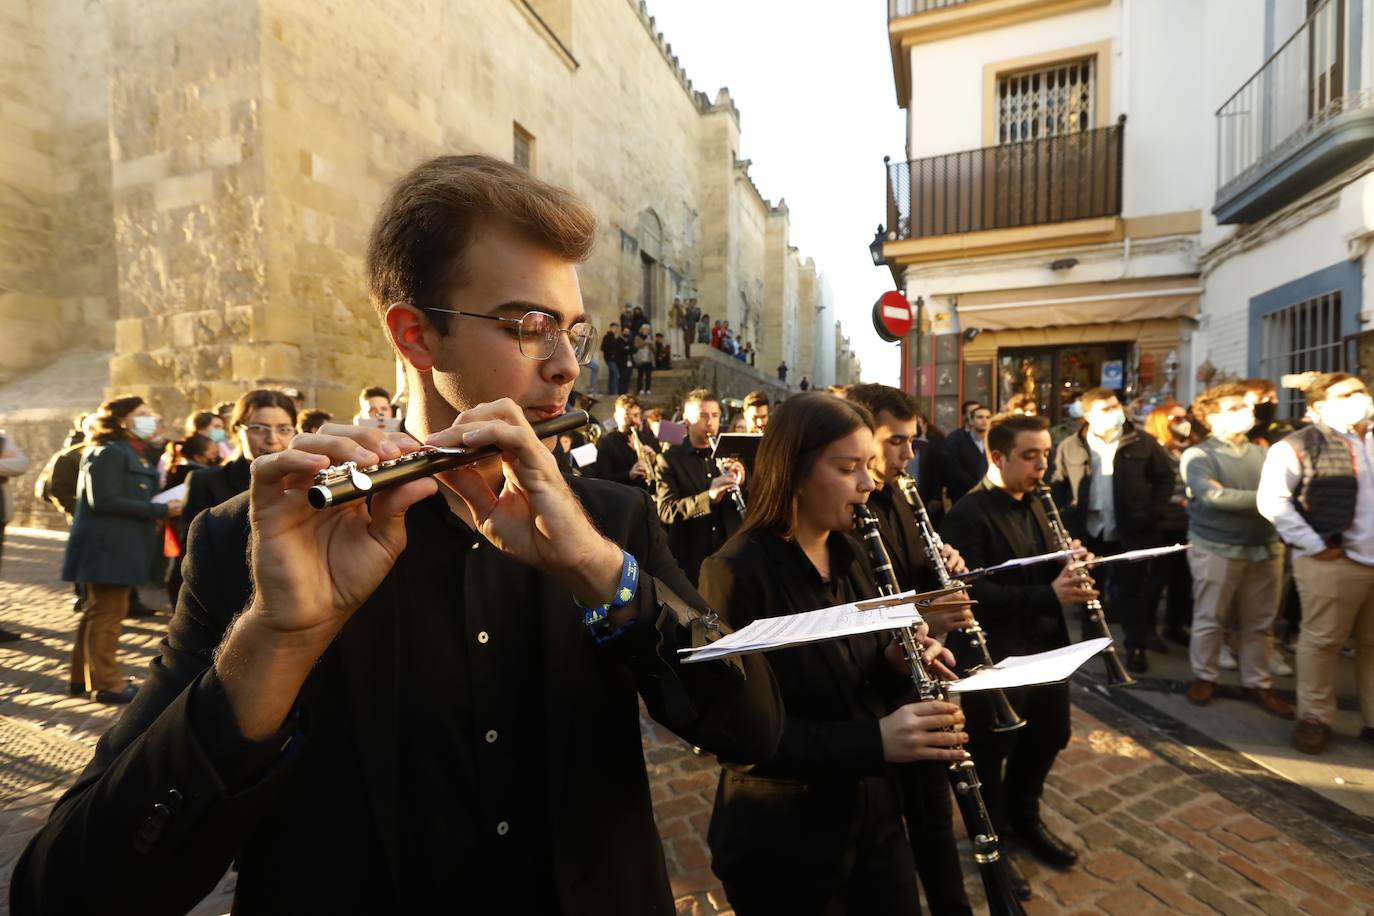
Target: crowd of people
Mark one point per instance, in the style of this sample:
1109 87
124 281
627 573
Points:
129 484
1280 549
440 686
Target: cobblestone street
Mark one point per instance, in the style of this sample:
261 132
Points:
1166 823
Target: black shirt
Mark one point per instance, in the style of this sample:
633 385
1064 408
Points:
697 526
615 456
901 537
471 730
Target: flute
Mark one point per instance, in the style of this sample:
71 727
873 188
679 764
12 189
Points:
341 483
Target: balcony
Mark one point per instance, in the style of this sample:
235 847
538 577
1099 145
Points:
1302 119
896 9
1072 176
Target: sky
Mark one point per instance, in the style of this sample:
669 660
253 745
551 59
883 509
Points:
813 83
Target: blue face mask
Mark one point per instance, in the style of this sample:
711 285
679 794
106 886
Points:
218 435
1076 410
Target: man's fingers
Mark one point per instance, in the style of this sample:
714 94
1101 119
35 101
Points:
388 525
274 470
473 490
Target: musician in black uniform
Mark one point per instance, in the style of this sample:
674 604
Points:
694 499
817 828
926 804
1000 519
616 456
435 689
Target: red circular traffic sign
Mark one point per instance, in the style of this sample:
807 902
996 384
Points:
892 316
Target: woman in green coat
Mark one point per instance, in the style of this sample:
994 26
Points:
113 539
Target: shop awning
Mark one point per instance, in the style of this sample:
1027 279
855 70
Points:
1080 303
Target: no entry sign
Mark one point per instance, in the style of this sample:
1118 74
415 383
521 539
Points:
892 316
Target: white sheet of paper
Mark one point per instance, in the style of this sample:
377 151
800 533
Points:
1027 670
583 455
810 626
1130 556
177 492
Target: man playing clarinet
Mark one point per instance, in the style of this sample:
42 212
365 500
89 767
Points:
998 520
435 691
694 496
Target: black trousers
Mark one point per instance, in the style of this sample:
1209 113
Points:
1124 591
1170 572
930 830
1013 766
876 877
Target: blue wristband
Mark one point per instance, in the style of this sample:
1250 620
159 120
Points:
597 618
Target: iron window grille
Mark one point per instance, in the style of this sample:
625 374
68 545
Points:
1303 337
1046 102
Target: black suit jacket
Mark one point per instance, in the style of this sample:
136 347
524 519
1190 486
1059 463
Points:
320 831
697 527
965 464
1142 485
799 806
208 487
1017 609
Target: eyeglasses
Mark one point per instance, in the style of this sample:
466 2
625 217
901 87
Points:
262 429
539 332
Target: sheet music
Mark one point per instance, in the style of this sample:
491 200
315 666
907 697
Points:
1130 556
810 626
584 455
177 492
1028 670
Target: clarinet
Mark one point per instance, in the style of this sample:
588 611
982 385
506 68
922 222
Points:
1117 675
341 483
1004 716
963 776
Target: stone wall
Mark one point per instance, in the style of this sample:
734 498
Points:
194 183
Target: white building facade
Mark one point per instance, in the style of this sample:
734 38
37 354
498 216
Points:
1286 288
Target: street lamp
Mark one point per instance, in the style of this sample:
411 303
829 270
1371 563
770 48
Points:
875 247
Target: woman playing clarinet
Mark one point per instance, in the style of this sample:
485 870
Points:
817 828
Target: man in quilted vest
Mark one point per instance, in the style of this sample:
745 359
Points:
1317 488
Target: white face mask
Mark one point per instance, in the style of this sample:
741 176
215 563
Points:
1343 413
1233 423
145 427
1107 421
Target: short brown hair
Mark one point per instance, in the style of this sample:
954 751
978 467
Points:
699 396
312 419
374 391
422 231
756 399
884 398
1314 392
1021 403
1093 395
1259 386
626 401
257 399
1005 427
1207 403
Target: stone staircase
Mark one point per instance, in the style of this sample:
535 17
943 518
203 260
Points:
707 368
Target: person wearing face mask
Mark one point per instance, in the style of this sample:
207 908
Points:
1262 396
263 422
1236 560
112 541
1317 488
1112 484
1169 425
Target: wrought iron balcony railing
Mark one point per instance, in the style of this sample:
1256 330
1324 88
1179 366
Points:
1271 132
896 9
1065 177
